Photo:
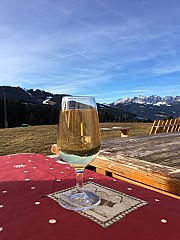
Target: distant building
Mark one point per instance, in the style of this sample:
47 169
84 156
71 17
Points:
49 101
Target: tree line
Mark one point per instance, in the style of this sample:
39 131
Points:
19 113
32 114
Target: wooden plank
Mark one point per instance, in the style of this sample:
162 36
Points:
164 126
177 125
167 122
170 125
172 128
153 129
164 178
100 170
145 186
160 123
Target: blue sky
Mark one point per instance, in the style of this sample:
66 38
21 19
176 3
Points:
109 49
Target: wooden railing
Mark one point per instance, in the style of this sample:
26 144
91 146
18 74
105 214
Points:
165 126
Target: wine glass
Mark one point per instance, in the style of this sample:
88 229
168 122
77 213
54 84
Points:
79 144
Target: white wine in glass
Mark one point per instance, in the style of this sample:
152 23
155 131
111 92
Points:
79 144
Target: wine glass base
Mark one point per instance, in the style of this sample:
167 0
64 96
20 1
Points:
79 201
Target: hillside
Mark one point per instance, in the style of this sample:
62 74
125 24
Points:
29 96
37 107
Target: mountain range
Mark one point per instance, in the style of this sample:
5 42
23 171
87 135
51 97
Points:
139 108
150 107
36 106
151 100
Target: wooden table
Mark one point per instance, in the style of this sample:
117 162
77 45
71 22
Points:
153 160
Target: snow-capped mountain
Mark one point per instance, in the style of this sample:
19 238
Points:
152 107
152 100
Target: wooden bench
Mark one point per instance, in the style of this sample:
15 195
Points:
164 126
123 131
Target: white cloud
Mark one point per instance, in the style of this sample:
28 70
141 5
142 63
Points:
88 46
166 69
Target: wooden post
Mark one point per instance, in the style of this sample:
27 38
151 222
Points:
5 110
153 129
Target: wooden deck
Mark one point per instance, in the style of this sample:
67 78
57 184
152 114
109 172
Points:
153 160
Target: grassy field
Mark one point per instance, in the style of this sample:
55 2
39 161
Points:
39 139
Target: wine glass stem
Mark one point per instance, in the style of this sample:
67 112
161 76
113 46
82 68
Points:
79 181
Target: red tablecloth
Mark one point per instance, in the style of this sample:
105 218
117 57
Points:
26 213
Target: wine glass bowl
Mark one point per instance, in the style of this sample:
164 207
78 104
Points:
79 144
